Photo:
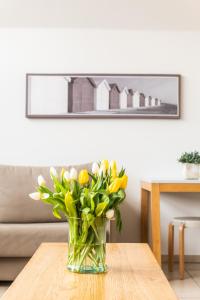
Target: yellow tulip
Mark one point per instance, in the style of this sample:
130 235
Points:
83 177
115 185
114 173
105 164
113 165
113 169
124 181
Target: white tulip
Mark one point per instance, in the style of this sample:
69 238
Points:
45 196
53 172
66 175
73 174
35 196
41 181
102 170
95 168
110 214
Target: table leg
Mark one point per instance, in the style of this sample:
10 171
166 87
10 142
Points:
155 222
144 216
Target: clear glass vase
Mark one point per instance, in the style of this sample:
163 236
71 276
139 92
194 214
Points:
87 245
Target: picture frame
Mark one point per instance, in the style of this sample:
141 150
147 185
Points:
89 95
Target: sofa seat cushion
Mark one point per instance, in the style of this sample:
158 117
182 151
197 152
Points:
16 183
22 240
10 267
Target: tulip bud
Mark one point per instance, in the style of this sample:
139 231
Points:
110 214
67 176
41 181
113 165
105 163
102 170
124 181
35 196
115 185
113 169
95 168
73 174
83 177
53 173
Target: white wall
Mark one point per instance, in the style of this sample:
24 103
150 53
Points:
145 147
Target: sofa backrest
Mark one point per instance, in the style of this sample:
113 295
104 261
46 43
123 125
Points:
16 182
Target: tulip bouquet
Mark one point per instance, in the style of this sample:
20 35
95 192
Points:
87 200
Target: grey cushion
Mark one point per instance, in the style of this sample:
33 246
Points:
16 182
22 240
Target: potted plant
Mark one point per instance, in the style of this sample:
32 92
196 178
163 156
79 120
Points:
191 162
88 201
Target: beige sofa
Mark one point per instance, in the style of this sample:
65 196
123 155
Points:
24 223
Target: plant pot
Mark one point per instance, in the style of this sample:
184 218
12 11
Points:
87 245
191 171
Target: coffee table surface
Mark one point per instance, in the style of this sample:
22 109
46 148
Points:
133 274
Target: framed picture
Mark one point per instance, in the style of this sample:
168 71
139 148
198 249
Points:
103 96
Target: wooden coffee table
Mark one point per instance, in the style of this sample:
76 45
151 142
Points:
133 274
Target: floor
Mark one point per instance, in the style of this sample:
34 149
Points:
187 289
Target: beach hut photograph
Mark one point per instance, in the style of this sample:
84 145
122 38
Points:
101 95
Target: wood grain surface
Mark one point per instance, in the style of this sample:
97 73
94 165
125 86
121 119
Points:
133 274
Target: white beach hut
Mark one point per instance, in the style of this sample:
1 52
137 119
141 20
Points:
147 101
123 97
153 102
102 95
138 99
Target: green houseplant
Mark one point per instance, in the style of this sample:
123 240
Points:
87 200
191 163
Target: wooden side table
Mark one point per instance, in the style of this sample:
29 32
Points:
150 191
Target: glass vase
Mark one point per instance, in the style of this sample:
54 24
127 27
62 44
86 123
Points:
87 245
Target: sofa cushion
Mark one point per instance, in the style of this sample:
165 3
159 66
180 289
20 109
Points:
10 267
21 240
16 182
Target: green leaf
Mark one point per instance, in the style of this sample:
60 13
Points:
93 177
44 189
122 172
58 196
101 207
118 219
56 211
121 195
70 205
74 188
92 206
